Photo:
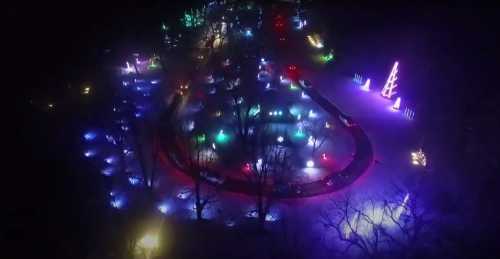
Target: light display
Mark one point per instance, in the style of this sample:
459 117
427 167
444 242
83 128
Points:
409 113
248 33
366 86
153 63
397 104
310 141
89 153
107 171
358 79
86 90
163 208
418 158
129 69
89 136
134 180
110 160
117 203
193 18
247 168
299 133
280 139
390 85
312 114
327 58
310 163
315 41
254 110
221 137
201 138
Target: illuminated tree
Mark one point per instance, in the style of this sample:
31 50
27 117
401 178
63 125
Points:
397 224
390 84
319 133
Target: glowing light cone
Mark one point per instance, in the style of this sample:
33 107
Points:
397 104
366 86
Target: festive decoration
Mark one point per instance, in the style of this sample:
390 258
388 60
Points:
315 41
409 113
193 18
358 79
366 86
254 110
327 58
418 158
397 104
388 90
310 141
310 163
221 137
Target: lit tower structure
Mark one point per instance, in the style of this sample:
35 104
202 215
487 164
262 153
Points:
389 86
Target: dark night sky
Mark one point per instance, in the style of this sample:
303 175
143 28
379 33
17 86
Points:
73 35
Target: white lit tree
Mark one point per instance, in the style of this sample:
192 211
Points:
390 84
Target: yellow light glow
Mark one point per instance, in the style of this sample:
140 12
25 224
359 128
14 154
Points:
315 41
418 158
86 90
149 242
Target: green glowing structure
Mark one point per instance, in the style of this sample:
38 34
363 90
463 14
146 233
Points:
327 58
201 138
193 19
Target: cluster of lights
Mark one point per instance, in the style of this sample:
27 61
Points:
358 79
327 58
129 69
315 41
86 90
275 113
134 180
193 18
117 203
409 113
418 158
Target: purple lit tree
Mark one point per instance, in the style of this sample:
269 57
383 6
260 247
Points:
397 224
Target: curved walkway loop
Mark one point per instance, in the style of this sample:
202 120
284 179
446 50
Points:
336 180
